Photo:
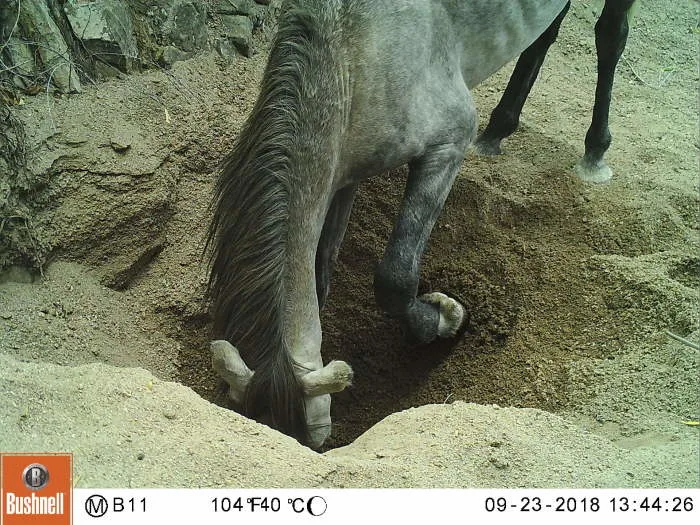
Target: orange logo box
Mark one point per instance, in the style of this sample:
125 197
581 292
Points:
36 489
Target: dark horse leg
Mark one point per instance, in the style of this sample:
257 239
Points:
610 38
396 277
506 116
334 227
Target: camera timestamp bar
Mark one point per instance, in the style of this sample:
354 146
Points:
338 506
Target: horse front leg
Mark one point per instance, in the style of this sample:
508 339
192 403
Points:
610 39
506 116
334 227
396 277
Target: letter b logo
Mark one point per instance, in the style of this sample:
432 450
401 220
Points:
35 476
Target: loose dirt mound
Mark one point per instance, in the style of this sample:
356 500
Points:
570 288
129 429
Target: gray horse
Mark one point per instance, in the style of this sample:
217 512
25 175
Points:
352 89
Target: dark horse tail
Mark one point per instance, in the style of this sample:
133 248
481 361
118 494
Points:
249 230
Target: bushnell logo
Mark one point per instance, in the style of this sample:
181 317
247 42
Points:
35 476
36 487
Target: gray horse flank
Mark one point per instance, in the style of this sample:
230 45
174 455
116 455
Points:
352 89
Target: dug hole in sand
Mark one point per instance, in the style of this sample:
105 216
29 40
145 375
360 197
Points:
564 377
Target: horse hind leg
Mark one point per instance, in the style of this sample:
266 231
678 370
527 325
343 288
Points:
506 116
610 39
396 277
334 227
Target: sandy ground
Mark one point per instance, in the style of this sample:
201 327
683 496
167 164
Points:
565 375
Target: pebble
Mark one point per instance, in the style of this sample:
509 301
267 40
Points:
120 146
499 463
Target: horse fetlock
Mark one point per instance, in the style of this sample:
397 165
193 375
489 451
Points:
451 313
393 289
332 378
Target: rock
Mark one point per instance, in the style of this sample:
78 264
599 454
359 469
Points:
182 23
239 31
36 24
106 29
171 54
226 49
235 7
21 57
121 140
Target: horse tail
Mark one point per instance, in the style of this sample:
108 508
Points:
248 234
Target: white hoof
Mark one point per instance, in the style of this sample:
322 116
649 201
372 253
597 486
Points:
451 313
229 365
332 378
594 173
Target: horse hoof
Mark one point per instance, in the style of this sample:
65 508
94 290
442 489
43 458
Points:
451 313
334 377
487 148
599 173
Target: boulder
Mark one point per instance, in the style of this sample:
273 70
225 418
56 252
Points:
106 29
238 30
36 24
235 7
22 59
180 23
